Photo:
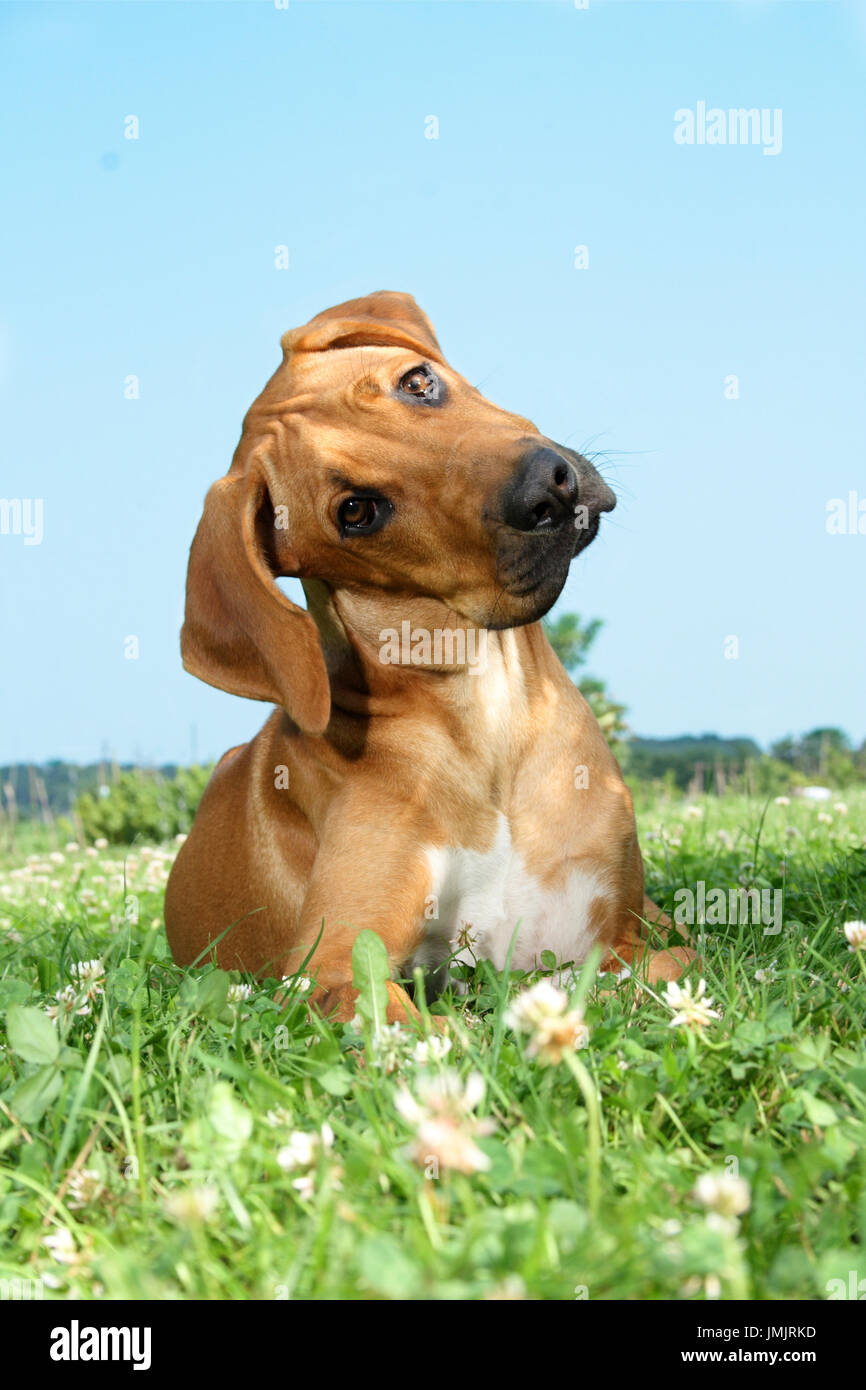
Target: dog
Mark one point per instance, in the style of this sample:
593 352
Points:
430 771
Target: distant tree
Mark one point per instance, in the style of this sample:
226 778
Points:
822 747
571 639
826 753
652 759
785 749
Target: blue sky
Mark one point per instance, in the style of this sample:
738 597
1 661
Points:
305 127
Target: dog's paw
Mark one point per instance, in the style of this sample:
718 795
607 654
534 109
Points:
655 967
340 1004
669 964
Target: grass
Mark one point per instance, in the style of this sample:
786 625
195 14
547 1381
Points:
147 1148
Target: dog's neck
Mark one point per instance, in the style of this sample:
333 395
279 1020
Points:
388 654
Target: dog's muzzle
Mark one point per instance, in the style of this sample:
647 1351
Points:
548 511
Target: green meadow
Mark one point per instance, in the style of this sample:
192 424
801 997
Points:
174 1134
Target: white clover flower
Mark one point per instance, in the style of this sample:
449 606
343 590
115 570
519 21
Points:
192 1206
723 1194
691 1010
69 1001
101 843
766 975
301 1156
91 975
296 987
390 1046
238 994
541 1001
84 1186
824 819
855 933
303 1148
542 1012
61 1246
87 969
445 1127
725 839
305 1183
782 801
466 938
694 813
279 1118
71 847
840 807
302 983
432 1049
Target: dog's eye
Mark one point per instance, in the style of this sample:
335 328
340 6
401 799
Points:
422 384
359 516
416 382
358 513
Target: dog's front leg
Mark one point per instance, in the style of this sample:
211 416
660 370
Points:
369 873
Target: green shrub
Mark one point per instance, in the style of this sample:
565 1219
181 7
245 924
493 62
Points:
143 805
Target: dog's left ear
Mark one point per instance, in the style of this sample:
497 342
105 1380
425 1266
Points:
240 632
384 319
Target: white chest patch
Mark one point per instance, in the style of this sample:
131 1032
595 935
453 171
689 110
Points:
492 894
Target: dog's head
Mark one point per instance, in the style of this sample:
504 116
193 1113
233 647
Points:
368 463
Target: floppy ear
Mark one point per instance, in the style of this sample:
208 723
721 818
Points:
240 632
384 319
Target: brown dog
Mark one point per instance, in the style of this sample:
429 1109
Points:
430 772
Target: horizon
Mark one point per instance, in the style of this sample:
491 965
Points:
631 736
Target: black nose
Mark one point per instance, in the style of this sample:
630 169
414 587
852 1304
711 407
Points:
543 494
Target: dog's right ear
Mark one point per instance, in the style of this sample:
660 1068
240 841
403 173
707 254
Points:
240 632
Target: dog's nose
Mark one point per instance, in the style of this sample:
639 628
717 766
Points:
543 494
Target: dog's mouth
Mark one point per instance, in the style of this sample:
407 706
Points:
585 535
532 574
534 571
